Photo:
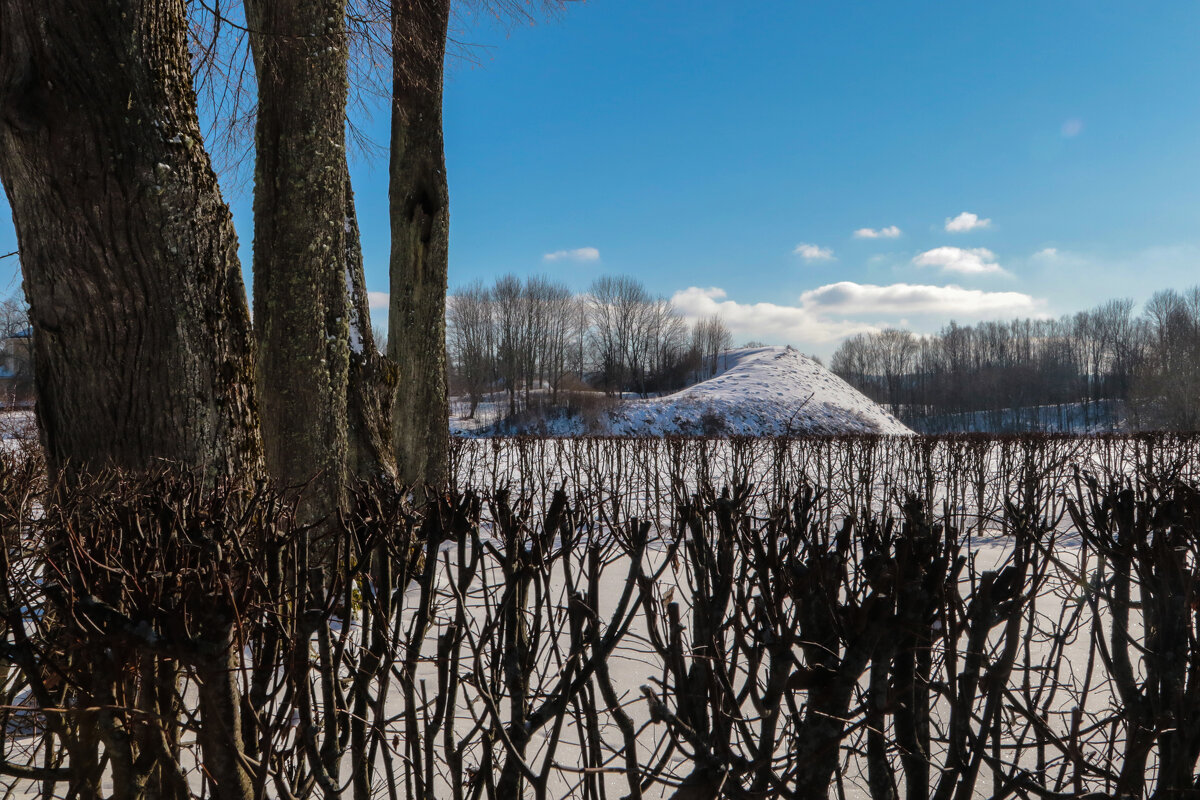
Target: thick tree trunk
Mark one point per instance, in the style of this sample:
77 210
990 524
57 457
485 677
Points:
420 216
372 387
220 732
301 310
142 335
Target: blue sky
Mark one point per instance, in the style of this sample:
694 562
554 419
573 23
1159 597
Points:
726 154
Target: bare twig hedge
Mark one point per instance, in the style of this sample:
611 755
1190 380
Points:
796 618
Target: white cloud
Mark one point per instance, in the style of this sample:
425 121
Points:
1047 253
812 252
1072 128
768 322
824 314
966 221
890 232
975 261
377 299
578 254
856 299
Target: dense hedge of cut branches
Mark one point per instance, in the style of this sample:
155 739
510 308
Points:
879 618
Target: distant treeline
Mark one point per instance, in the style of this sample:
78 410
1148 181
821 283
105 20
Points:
518 337
1146 365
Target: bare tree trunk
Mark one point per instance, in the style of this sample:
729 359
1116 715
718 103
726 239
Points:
420 217
301 312
142 335
372 386
220 732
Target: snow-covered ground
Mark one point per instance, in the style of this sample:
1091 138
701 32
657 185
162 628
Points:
846 468
18 429
633 664
762 391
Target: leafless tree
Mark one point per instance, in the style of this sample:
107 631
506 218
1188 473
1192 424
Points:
510 336
472 341
710 338
897 350
616 308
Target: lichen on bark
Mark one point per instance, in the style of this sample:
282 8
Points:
300 300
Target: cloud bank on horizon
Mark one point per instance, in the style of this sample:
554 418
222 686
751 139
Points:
837 310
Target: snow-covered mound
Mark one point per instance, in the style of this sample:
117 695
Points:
760 391
764 391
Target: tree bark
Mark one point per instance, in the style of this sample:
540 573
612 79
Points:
420 217
220 731
301 310
142 343
373 376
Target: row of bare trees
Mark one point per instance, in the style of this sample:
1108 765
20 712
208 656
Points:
1147 363
161 636
521 337
514 336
